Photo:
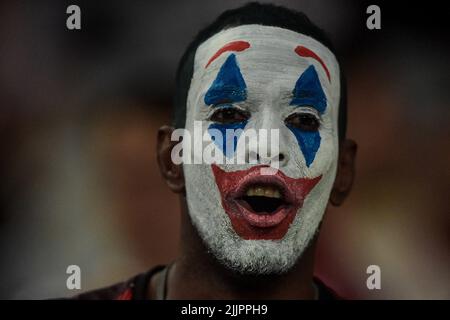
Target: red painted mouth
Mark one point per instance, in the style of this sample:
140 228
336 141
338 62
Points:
261 206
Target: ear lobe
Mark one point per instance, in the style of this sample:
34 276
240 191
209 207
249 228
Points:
345 172
172 173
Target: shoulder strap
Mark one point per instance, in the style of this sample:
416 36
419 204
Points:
161 285
141 282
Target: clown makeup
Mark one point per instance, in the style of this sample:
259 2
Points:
263 77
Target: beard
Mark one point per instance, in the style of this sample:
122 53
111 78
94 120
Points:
250 257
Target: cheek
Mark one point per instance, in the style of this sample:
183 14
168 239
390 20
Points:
308 142
311 154
201 188
326 156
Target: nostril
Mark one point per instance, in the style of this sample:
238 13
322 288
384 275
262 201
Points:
260 159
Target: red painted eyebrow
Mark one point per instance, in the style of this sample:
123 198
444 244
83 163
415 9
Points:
305 52
231 46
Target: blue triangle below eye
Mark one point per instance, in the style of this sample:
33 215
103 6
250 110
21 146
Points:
223 141
308 91
229 85
309 143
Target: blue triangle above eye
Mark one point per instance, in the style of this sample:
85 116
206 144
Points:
229 85
308 91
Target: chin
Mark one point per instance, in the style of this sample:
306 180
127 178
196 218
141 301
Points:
253 255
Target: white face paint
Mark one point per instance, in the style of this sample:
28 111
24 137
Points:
255 242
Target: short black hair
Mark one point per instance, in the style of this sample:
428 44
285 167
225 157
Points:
251 13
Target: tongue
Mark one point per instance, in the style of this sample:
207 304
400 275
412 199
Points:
261 204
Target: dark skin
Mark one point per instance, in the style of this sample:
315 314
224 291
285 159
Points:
196 274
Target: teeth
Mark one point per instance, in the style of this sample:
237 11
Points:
277 194
259 191
263 191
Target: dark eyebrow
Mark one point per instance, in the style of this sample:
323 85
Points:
231 46
307 53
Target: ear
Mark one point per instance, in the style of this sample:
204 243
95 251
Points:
345 172
172 173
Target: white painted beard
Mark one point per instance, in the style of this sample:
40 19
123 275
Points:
251 257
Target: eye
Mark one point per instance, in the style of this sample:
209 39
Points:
303 121
228 115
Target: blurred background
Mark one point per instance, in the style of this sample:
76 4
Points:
79 183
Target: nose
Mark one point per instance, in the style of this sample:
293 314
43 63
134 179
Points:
271 145
268 146
279 159
276 140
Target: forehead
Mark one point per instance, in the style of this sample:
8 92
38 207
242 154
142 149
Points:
266 48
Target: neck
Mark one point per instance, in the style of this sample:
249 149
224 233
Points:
197 275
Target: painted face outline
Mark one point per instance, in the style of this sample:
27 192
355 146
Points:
325 163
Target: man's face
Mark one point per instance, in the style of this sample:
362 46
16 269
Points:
261 77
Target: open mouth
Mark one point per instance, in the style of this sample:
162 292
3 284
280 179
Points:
261 206
263 199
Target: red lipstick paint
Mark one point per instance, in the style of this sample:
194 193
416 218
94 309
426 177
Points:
251 225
